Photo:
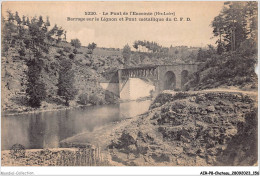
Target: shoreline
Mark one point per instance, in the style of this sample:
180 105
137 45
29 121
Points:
61 108
43 110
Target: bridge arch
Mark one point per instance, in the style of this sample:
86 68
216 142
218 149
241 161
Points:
184 78
169 81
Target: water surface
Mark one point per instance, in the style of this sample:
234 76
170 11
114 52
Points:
47 129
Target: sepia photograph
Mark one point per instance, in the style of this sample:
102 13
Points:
126 83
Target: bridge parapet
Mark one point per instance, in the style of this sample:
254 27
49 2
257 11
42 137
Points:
140 72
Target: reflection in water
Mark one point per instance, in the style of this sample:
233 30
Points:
36 129
133 108
46 129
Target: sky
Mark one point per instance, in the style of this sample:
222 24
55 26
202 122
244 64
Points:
196 32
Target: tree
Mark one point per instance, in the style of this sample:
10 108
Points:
135 45
231 25
8 39
218 30
35 87
47 23
234 61
126 54
59 34
76 43
150 46
66 81
17 19
35 43
203 55
27 21
251 15
24 21
10 16
51 33
31 44
40 21
91 47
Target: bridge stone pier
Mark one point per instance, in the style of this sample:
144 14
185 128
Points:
140 82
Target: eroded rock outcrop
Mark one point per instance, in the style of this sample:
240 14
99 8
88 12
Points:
211 128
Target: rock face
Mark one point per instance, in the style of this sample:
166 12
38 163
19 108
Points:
193 129
13 83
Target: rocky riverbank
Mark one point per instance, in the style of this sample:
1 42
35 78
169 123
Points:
187 129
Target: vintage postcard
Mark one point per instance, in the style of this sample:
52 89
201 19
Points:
127 83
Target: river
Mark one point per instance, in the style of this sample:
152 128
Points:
47 129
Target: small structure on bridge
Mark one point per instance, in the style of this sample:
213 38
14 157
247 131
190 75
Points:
140 82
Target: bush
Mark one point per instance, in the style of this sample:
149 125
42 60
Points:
83 99
71 56
22 52
53 66
94 99
75 51
67 49
87 56
76 43
60 51
89 52
110 97
95 67
88 63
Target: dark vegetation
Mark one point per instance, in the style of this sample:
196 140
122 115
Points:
35 87
151 53
66 88
233 62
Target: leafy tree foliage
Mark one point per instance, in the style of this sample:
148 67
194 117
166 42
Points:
35 87
150 46
204 54
126 54
66 81
17 19
92 46
31 39
236 23
76 43
233 63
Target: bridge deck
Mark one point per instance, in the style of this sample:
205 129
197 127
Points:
155 66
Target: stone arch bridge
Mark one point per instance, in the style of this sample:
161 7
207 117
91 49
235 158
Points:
140 82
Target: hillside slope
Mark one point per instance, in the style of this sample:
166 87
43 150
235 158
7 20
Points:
88 69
